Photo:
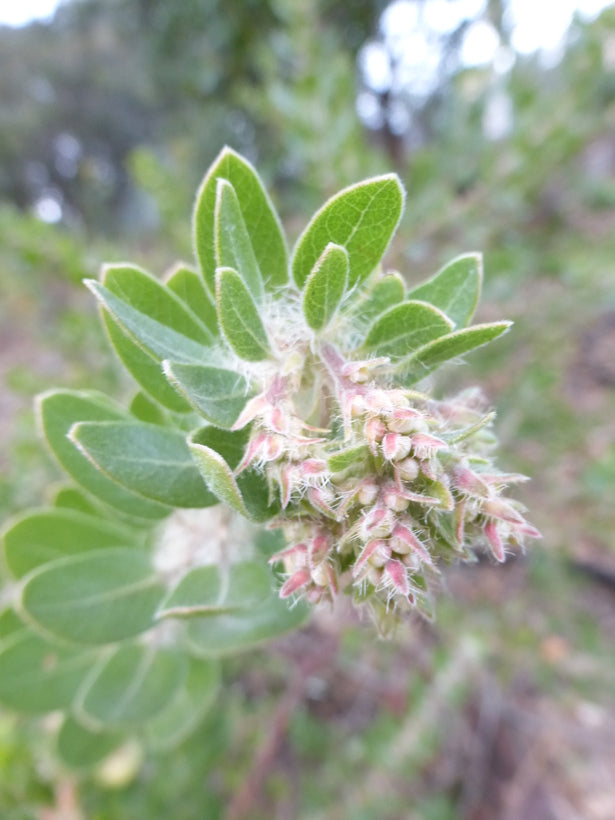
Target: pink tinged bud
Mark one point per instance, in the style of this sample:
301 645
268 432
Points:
378 400
378 523
460 521
469 483
406 420
255 407
367 492
297 555
495 542
503 479
419 498
498 508
321 499
394 499
286 484
396 573
313 467
406 470
425 445
320 548
374 430
527 529
332 578
375 549
357 406
252 452
296 581
405 541
395 447
278 421
359 372
272 448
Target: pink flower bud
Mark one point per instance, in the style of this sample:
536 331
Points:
296 581
378 523
405 541
368 491
319 548
406 420
468 482
374 429
406 470
425 445
398 576
321 498
495 542
376 552
395 447
394 499
255 407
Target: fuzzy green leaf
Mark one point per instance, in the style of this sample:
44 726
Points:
144 409
147 459
144 367
212 590
218 395
325 286
232 242
133 685
81 748
188 285
41 536
38 677
426 359
455 289
350 457
189 705
385 291
95 597
221 635
404 328
71 498
239 318
361 218
261 221
218 476
58 410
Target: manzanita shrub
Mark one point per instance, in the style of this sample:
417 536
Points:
282 451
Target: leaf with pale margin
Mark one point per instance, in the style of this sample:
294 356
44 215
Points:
455 289
233 246
156 338
186 710
82 748
188 285
361 218
147 459
239 318
58 410
325 286
144 409
134 684
41 536
426 359
95 597
220 451
221 635
262 222
213 590
144 367
219 395
404 328
382 292
38 677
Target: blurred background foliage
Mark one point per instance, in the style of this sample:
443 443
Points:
110 113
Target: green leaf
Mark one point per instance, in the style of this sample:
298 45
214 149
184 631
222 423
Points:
350 457
455 289
221 635
144 409
406 327
147 459
188 285
70 498
218 395
386 291
325 286
211 590
232 241
38 677
261 221
41 536
95 597
217 453
144 367
58 410
184 713
239 319
133 685
159 339
426 359
81 748
361 218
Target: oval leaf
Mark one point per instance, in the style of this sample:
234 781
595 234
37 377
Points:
134 684
261 221
94 598
58 411
383 292
188 285
219 395
455 289
212 590
239 318
233 246
405 328
42 536
362 219
81 748
428 358
148 459
325 287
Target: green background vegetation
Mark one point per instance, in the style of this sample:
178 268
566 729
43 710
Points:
502 708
